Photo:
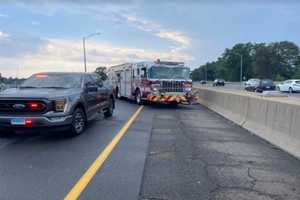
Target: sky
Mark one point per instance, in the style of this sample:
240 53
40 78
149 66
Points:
40 35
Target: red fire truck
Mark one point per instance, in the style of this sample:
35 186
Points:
164 82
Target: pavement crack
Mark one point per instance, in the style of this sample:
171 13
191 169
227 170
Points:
253 179
152 198
225 188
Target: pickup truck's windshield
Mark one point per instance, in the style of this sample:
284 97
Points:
164 72
53 81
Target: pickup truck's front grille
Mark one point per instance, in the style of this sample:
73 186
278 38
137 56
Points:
22 106
172 86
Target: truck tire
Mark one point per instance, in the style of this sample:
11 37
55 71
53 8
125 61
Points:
138 97
79 122
118 96
110 110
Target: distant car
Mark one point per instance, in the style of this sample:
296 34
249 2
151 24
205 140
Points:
55 101
219 82
202 82
261 85
252 82
2 86
289 86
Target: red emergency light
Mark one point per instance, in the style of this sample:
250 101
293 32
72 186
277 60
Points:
28 122
35 105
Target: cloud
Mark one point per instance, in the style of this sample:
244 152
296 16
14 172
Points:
66 55
126 2
86 2
177 37
35 23
3 35
12 45
3 16
180 40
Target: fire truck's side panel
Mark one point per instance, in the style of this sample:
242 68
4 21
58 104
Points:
122 87
140 78
123 83
127 83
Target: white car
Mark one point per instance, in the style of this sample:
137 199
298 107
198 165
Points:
289 86
2 86
252 82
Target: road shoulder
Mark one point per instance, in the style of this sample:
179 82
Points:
197 154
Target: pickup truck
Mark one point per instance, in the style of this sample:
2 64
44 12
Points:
57 101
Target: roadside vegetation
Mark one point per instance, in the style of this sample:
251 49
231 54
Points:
10 80
277 61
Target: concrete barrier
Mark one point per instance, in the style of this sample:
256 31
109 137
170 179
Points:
273 119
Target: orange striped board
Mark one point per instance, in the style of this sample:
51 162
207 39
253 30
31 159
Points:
167 98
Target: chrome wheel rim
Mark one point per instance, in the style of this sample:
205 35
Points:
79 122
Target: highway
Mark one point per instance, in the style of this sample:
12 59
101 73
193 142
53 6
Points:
166 153
238 87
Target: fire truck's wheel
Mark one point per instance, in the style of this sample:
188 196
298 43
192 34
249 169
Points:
138 97
118 96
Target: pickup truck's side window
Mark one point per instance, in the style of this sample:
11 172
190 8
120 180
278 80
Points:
97 80
89 80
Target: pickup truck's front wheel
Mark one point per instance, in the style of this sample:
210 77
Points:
79 122
110 110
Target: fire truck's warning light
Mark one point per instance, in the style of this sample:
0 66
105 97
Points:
158 61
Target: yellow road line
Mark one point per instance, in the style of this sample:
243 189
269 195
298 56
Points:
96 165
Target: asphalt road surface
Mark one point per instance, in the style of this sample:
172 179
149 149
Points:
168 153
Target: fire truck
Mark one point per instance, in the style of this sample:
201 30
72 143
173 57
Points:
159 81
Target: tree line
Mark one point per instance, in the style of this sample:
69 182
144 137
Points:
277 61
10 80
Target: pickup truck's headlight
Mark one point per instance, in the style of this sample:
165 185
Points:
60 105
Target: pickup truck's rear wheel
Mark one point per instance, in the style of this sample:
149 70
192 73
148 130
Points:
79 122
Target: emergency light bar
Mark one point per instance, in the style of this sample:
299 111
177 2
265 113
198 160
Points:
168 62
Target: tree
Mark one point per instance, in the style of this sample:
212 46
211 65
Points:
277 61
262 62
101 71
232 61
285 56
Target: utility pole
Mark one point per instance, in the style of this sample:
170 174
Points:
205 73
84 54
84 49
241 70
241 66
